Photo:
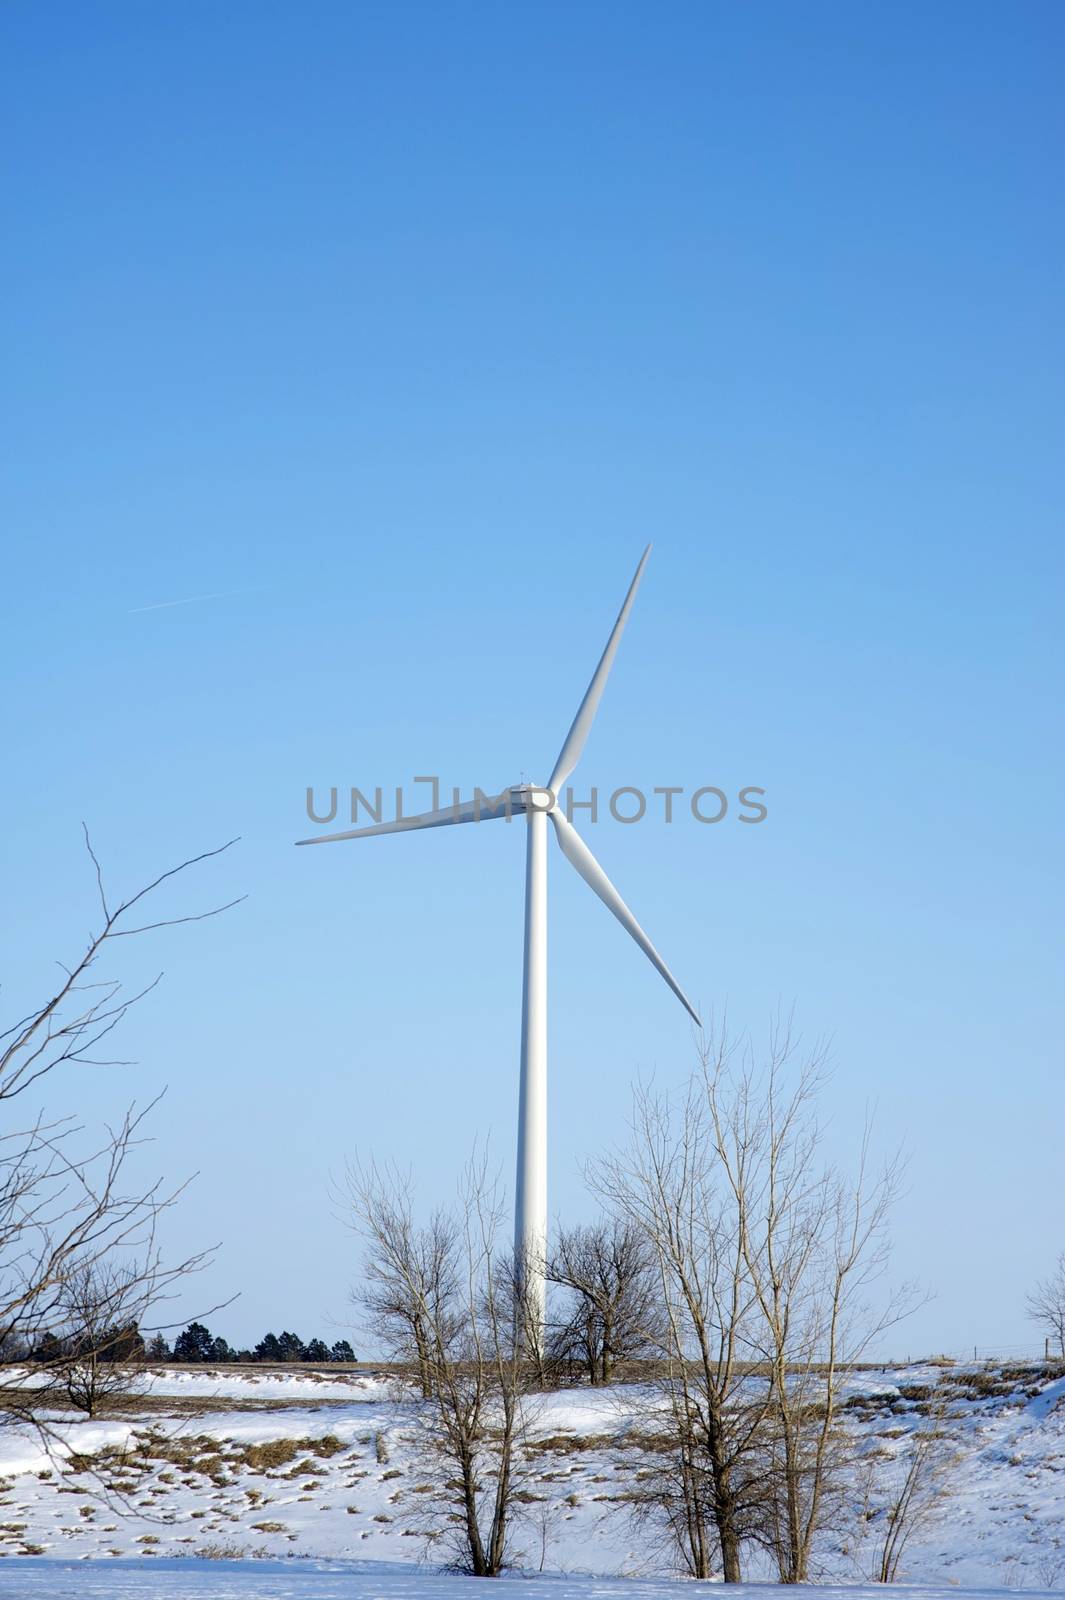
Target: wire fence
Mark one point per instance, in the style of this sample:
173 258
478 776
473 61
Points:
1047 1351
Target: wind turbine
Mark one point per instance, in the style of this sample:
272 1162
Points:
537 805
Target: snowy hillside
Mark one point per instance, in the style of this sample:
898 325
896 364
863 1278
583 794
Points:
242 1464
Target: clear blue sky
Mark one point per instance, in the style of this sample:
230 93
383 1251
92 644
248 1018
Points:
411 325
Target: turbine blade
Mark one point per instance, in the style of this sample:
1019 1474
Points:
578 854
570 753
477 810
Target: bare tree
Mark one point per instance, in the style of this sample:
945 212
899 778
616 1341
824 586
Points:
1046 1304
812 1242
67 1209
613 1311
707 1491
443 1299
409 1281
764 1256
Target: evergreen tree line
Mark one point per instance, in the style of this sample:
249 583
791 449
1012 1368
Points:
108 1344
197 1344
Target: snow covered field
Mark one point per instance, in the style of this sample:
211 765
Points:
279 1466
311 1580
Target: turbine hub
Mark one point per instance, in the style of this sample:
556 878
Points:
532 797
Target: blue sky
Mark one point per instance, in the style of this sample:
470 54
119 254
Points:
403 329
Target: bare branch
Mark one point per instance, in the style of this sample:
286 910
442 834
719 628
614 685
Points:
80 1263
99 874
174 922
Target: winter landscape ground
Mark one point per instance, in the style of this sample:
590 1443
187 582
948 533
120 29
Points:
309 1484
326 1580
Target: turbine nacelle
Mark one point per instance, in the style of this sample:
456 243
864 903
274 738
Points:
532 797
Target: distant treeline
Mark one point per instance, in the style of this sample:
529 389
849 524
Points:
197 1343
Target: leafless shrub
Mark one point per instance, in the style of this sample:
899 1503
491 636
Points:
899 1493
1050 1567
102 1351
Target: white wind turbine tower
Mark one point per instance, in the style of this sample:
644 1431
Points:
537 805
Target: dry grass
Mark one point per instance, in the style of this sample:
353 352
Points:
569 1444
221 1552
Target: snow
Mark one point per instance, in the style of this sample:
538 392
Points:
314 1580
306 1386
349 1506
214 1382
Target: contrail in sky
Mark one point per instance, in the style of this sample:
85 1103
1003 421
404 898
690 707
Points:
162 605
